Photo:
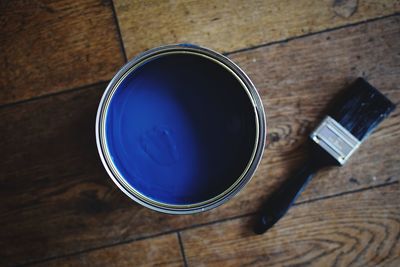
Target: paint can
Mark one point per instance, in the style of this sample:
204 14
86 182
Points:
180 129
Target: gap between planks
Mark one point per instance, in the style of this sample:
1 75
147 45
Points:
310 34
121 42
70 90
177 231
182 249
226 54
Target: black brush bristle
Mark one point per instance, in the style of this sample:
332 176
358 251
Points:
361 109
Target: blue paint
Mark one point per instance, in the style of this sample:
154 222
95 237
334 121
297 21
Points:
180 129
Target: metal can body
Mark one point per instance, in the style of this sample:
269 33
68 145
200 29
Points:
240 181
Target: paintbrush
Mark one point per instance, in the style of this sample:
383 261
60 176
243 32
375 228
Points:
353 118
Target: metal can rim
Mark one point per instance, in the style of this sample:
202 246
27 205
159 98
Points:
240 182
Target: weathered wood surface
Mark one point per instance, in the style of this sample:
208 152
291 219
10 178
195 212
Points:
297 81
57 199
50 46
157 251
236 24
359 229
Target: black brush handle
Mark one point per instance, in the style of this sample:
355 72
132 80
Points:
282 199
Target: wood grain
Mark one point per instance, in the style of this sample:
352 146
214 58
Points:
57 199
158 251
50 46
236 24
360 229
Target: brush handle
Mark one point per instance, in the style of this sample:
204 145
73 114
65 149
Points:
282 199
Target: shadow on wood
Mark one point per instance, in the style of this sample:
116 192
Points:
54 189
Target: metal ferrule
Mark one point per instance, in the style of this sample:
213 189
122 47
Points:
335 139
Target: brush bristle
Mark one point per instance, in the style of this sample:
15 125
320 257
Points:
361 109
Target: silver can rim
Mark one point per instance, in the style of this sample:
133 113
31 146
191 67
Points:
240 182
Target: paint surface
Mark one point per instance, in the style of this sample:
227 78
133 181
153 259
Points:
180 129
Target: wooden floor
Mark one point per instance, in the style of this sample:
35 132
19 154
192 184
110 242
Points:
58 206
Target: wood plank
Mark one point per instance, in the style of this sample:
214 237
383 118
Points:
57 199
359 229
297 81
235 24
50 46
158 251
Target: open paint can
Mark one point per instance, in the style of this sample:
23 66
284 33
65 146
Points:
180 129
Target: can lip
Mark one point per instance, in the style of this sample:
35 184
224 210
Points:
240 182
